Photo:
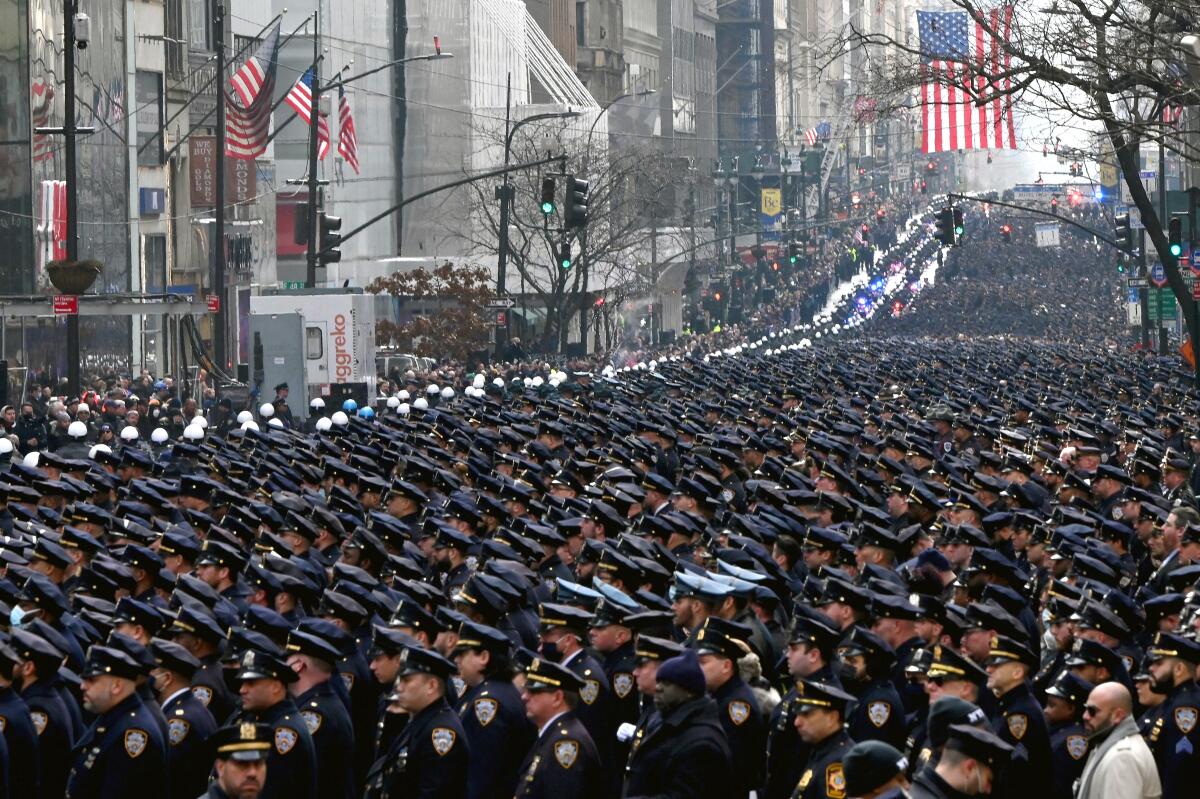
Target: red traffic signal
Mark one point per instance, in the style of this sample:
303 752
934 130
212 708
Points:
924 186
1054 203
930 166
862 171
880 214
866 230
1006 232
717 296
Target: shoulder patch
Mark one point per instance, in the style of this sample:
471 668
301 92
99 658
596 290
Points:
203 693
739 711
835 781
135 742
622 684
348 679
1018 723
1185 719
40 720
879 713
589 691
313 720
566 752
3 723
1077 746
443 739
485 710
460 687
285 739
177 730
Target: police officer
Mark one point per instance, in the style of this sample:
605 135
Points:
686 752
122 753
492 715
970 761
875 769
563 630
242 752
613 641
20 737
1174 739
431 757
719 644
38 664
1068 740
189 724
1021 724
878 715
819 720
563 760
324 711
292 764
198 632
387 646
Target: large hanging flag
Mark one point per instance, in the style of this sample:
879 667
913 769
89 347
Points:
248 115
39 111
818 133
347 135
300 98
965 89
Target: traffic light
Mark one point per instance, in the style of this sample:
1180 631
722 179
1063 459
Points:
1120 262
924 186
866 230
944 227
1123 232
880 214
300 229
959 227
1006 232
862 171
930 166
1054 204
547 196
793 252
330 239
575 213
1175 236
564 256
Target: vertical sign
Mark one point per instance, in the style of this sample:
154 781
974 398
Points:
202 165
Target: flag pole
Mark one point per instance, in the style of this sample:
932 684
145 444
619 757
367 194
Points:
220 323
310 278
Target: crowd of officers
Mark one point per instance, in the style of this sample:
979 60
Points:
795 573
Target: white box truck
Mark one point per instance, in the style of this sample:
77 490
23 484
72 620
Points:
324 337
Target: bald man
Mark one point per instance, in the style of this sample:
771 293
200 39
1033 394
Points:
1120 764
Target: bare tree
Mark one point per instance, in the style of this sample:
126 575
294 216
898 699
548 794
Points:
629 187
1100 66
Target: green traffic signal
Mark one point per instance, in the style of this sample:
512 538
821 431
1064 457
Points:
792 259
547 208
565 263
1177 250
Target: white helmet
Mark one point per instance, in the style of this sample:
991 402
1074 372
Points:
5 446
323 424
244 416
193 432
250 424
77 429
421 404
266 410
317 403
498 382
447 393
129 433
99 448
159 435
403 409
276 422
432 389
403 395
31 458
393 402
200 421
478 381
340 418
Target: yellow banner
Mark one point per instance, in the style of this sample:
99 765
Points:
772 202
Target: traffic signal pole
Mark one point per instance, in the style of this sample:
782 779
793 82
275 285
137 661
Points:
310 277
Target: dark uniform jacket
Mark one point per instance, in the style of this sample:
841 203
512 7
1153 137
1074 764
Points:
1068 754
1022 725
22 740
189 760
595 709
429 759
121 755
878 715
499 734
928 785
1174 740
328 721
823 776
292 763
208 684
563 763
685 754
55 735
746 730
786 753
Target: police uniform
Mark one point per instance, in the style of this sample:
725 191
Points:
1068 740
292 763
493 719
594 710
738 708
980 745
431 756
1022 725
684 754
122 754
823 776
1174 738
563 760
324 711
878 714
47 713
20 737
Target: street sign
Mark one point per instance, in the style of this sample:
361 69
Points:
66 305
501 318
214 304
1162 305
1137 282
501 302
291 284
1158 275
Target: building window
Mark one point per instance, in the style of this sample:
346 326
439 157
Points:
580 24
314 343
149 118
154 263
199 25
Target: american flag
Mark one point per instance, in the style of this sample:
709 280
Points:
43 101
347 135
248 122
300 98
815 134
958 54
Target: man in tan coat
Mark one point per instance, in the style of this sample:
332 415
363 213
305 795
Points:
1120 765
